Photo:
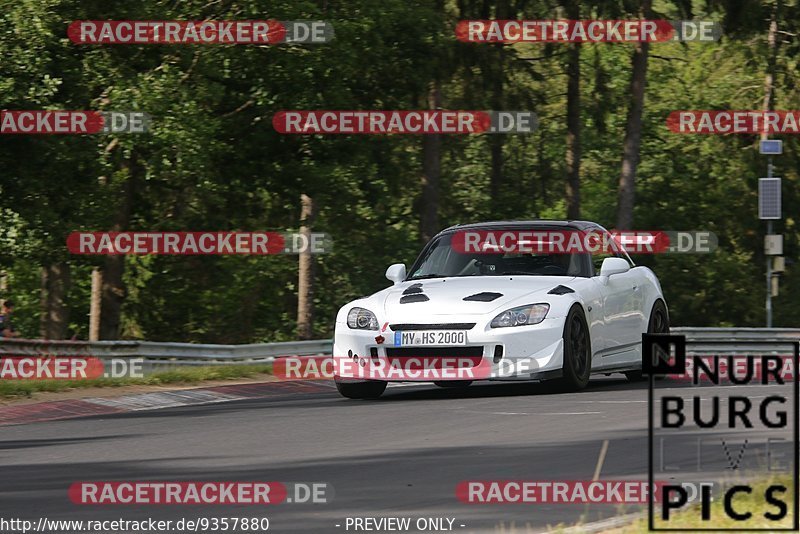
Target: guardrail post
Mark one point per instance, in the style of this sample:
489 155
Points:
94 306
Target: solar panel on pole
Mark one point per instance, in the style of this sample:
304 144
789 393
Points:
769 198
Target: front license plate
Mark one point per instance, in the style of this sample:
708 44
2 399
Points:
433 338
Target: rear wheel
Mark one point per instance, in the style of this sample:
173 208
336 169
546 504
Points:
658 324
361 390
453 383
577 351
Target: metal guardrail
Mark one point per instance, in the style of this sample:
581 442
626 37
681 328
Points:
157 354
739 340
694 333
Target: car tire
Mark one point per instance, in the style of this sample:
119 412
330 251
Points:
577 351
453 383
361 390
658 324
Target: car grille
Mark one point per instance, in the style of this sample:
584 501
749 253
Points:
401 354
436 326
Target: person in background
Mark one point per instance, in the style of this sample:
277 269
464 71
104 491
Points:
6 327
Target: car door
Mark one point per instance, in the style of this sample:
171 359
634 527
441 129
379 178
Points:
622 312
621 297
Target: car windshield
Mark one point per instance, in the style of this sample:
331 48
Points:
443 259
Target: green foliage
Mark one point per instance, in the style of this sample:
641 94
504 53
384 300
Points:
214 162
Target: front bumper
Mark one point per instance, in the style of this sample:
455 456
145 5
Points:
533 352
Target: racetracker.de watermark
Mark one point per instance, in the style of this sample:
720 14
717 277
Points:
723 122
556 491
69 368
177 493
582 242
198 243
199 492
579 31
381 122
420 367
73 122
248 32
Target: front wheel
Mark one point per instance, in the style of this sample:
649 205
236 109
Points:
577 351
361 390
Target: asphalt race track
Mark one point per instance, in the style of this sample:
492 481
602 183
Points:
402 455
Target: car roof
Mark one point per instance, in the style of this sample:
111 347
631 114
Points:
540 223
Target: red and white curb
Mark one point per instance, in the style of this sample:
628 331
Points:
69 409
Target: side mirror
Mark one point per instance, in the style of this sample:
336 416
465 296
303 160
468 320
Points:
396 273
612 266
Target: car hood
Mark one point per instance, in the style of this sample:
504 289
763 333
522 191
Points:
413 301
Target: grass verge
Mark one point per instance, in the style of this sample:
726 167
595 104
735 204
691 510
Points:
193 375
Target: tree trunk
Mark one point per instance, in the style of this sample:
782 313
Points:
573 160
95 304
305 281
113 289
544 174
633 132
431 173
55 285
496 73
496 143
113 295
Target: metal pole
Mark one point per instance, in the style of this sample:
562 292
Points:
769 281
769 259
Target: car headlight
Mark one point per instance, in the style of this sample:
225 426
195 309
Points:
530 314
362 319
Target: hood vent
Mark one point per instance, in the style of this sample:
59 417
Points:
419 297
560 290
486 296
412 290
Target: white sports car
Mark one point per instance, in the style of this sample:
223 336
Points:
513 312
